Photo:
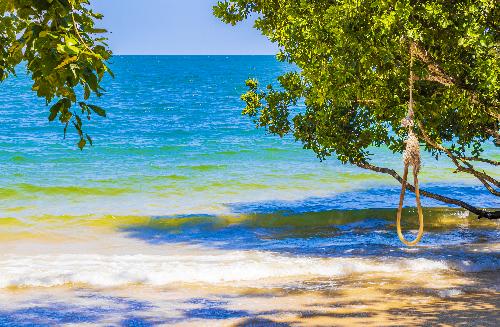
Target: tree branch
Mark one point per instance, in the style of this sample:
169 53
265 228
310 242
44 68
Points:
494 115
481 176
488 161
481 213
495 135
436 73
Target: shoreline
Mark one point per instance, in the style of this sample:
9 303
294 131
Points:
337 267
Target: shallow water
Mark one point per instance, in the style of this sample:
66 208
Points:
183 213
176 143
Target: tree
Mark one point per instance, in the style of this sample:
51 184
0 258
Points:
353 78
64 55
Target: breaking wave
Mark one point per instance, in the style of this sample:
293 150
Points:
238 266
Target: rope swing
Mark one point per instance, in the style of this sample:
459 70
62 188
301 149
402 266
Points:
411 157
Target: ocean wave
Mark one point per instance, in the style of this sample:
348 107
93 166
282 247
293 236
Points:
481 263
66 190
233 268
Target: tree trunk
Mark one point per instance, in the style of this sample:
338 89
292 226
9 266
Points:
481 213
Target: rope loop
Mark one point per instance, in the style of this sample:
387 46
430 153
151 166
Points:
419 209
411 158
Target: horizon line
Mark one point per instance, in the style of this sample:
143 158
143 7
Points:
189 54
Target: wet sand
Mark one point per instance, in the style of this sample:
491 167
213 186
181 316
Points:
382 300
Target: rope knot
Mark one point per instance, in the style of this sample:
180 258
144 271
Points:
407 122
411 155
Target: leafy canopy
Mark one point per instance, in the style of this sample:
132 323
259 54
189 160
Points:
353 59
64 55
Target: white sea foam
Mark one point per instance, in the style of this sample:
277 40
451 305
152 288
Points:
234 267
449 293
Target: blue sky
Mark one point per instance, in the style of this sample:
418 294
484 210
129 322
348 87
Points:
176 27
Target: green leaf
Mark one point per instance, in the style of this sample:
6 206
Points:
81 143
70 41
78 122
67 61
54 110
97 30
92 81
86 90
65 129
98 110
61 106
90 139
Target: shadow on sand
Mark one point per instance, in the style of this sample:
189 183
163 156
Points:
389 304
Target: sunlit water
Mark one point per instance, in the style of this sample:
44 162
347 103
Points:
180 189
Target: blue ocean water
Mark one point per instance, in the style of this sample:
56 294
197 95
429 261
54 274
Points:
175 142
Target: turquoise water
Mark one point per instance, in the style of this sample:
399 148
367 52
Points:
182 206
175 142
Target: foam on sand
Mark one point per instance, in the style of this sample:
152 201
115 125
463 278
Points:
233 267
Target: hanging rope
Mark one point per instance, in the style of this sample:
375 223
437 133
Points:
411 157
